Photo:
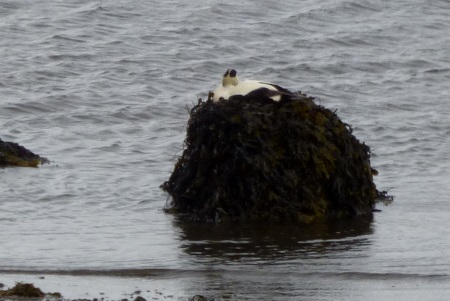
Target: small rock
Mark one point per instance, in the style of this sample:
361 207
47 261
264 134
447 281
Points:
139 298
55 295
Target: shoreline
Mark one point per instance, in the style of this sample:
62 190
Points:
230 285
92 287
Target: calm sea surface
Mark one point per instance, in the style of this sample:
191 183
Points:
102 88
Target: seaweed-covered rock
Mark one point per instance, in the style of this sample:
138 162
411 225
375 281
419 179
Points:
252 159
13 154
23 290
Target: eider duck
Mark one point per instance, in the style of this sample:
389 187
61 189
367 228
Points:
231 86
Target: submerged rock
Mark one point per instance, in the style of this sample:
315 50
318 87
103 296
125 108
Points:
252 159
198 298
13 154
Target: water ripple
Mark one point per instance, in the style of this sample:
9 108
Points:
103 89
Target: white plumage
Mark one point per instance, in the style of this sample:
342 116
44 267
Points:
232 86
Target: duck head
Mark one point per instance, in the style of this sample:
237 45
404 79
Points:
230 78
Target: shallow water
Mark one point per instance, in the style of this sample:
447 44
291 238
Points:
102 90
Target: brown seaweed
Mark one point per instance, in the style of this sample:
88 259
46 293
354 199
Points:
23 290
252 159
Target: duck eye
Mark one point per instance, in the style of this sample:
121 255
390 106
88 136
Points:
233 73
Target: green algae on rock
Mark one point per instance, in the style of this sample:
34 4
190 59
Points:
252 159
13 154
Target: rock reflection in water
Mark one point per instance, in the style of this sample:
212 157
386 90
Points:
237 243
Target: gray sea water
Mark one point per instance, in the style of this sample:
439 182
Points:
102 89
